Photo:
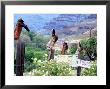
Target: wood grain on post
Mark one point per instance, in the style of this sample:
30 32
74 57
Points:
79 57
20 58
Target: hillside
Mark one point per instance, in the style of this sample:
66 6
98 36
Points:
66 25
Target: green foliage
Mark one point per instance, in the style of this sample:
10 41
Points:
40 41
73 49
35 47
40 55
25 38
92 71
29 54
29 66
51 68
34 39
34 53
90 47
89 42
32 35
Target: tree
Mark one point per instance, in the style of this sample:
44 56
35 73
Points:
25 38
32 35
40 41
90 47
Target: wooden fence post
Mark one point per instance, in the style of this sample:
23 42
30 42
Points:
78 70
20 54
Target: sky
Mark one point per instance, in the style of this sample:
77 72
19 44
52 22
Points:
40 22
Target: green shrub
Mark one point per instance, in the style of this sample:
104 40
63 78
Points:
90 46
39 55
34 53
51 68
92 71
73 49
29 66
29 55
